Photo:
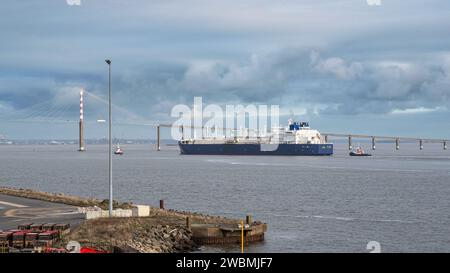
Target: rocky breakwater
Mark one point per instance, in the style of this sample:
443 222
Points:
144 234
62 198
163 239
136 228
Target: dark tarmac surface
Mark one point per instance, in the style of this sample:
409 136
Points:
17 210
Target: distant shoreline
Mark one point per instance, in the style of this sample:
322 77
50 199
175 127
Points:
87 141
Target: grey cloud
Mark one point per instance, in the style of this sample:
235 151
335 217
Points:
288 77
363 60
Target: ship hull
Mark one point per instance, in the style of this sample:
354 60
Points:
256 149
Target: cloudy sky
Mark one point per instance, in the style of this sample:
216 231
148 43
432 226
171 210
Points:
344 65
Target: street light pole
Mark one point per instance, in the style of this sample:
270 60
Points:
110 145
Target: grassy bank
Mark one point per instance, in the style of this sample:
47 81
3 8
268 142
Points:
62 198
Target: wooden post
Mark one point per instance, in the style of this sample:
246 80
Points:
373 143
445 145
397 143
421 144
350 143
188 222
161 204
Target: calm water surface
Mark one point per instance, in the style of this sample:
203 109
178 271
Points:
311 204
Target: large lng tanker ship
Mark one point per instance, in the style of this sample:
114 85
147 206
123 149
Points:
295 139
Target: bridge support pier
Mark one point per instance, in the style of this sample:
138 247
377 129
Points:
81 147
158 138
397 143
373 143
350 143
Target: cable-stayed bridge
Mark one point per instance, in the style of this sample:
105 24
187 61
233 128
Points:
94 111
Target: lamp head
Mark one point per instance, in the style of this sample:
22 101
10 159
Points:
108 61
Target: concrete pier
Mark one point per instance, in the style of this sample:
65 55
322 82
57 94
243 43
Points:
228 233
160 230
17 210
81 147
158 138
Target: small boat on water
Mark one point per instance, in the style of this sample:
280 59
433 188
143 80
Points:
118 150
359 152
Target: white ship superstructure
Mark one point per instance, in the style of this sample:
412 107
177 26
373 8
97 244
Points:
294 133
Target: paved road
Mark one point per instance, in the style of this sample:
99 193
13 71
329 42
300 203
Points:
17 210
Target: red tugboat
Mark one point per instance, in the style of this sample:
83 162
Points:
359 152
118 151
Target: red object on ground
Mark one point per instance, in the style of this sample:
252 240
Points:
54 250
90 250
